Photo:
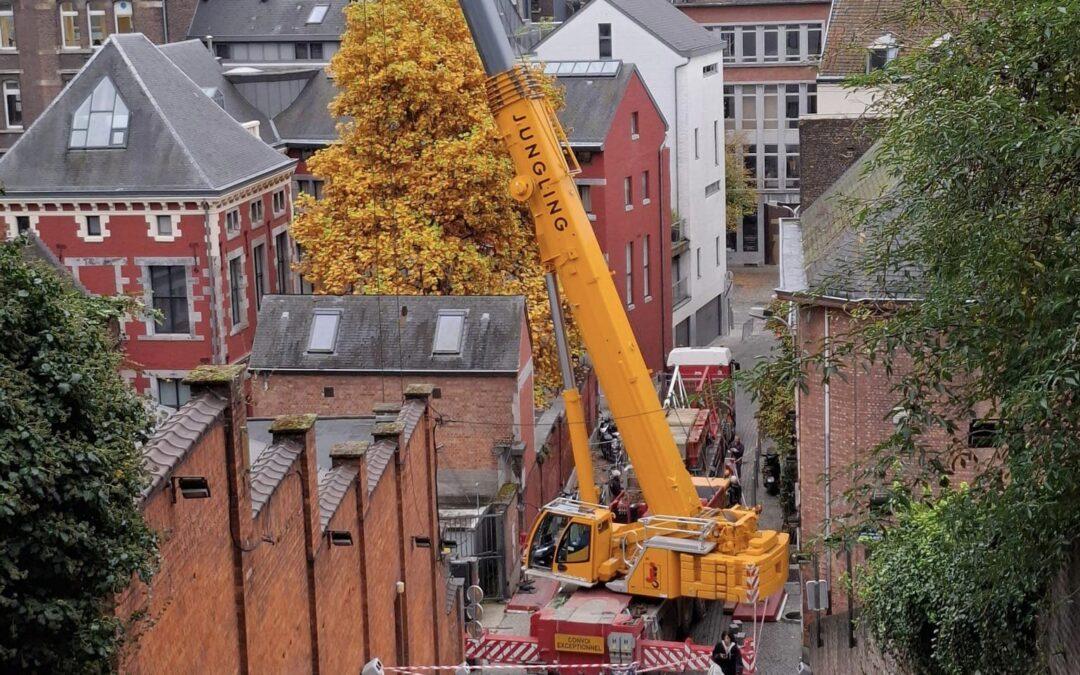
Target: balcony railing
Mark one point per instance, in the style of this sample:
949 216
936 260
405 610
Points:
680 291
679 240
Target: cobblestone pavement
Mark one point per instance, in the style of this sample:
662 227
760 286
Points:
781 642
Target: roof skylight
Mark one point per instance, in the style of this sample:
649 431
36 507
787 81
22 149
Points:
324 328
318 13
102 119
449 332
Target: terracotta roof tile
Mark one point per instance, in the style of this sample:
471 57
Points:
179 434
269 469
855 24
333 485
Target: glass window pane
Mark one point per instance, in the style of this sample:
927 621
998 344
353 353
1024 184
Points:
449 329
813 42
103 96
164 225
791 33
179 315
771 45
749 110
770 107
749 42
78 138
318 13
82 116
100 129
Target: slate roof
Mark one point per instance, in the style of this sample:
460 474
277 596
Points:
308 119
833 247
268 471
179 141
192 57
179 434
670 26
373 336
853 26
333 485
591 104
667 24
266 19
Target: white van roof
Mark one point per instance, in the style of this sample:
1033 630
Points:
699 356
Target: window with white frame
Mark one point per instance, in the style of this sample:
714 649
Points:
102 119
236 293
449 332
168 287
634 134
771 43
711 69
646 286
729 107
716 142
232 220
585 193
629 273
258 256
70 34
95 19
122 14
780 106
628 192
279 202
770 107
881 52
256 210
324 331
7 24
644 187
172 392
12 104
308 51
164 226
771 166
791 169
604 37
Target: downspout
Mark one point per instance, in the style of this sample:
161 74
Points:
664 246
828 463
165 21
217 349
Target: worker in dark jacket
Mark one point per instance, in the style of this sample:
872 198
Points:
726 654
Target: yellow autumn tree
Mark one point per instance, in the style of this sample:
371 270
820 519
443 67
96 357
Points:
415 199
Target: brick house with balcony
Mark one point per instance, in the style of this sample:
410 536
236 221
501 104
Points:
771 53
278 565
43 45
617 133
141 183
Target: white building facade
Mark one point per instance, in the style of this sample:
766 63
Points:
681 64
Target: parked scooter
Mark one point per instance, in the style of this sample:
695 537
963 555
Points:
770 473
610 442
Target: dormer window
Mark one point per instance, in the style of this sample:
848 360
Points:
449 332
881 52
102 119
324 328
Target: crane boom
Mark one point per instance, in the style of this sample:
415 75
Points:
542 162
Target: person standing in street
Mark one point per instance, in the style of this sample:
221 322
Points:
735 455
726 654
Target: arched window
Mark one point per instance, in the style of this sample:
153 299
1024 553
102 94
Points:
102 119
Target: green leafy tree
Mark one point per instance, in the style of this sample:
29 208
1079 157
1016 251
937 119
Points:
71 534
982 226
740 188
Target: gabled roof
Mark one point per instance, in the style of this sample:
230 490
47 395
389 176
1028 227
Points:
389 333
308 118
179 141
667 24
853 26
266 19
592 100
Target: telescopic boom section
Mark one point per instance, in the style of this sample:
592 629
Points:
542 160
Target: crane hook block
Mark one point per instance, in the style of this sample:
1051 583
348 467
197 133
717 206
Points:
521 188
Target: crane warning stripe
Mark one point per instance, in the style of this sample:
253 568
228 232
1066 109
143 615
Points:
498 650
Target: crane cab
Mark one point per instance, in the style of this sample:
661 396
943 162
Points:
570 542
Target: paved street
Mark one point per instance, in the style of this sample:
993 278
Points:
780 645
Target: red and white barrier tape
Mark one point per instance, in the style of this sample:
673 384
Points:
681 664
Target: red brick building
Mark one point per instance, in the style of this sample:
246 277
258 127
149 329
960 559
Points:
617 133
43 45
276 566
142 183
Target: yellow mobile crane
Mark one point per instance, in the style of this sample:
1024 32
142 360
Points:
681 550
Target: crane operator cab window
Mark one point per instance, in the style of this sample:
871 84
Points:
545 539
574 545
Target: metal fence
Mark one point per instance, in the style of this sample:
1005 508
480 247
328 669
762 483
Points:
479 538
